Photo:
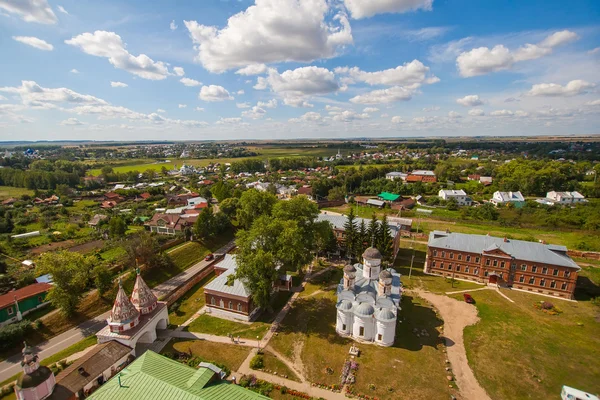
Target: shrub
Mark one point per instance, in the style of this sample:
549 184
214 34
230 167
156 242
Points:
547 306
283 390
12 334
38 324
257 362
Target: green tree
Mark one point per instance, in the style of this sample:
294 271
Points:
71 273
373 230
452 204
229 207
204 227
144 250
102 279
221 191
324 237
363 238
350 234
117 227
384 239
336 193
253 204
258 271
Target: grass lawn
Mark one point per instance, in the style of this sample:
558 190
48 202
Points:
309 329
274 364
113 253
536 353
16 192
190 302
229 355
222 327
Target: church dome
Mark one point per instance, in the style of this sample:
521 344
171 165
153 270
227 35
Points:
349 268
142 297
344 305
372 253
386 315
365 310
385 274
34 378
123 312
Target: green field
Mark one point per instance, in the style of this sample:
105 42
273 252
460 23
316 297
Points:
9 191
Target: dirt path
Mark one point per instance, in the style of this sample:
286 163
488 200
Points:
457 315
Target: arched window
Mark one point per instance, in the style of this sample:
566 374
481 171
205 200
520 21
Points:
213 301
231 305
239 306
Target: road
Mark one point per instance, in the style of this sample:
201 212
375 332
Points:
12 365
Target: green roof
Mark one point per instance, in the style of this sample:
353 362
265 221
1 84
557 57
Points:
388 196
155 377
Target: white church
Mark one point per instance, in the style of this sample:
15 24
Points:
368 301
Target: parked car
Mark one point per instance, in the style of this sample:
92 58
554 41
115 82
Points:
209 257
468 298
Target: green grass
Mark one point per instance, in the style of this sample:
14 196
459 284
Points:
69 351
189 254
190 302
10 191
534 351
230 355
113 254
274 364
222 327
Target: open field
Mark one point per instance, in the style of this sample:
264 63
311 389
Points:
534 351
222 327
274 364
310 327
9 191
229 355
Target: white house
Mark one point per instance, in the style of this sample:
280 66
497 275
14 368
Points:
196 200
392 176
368 301
565 197
503 198
459 195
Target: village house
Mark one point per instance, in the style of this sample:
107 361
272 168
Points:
15 304
531 266
393 176
504 198
170 224
564 198
227 296
306 190
460 196
421 176
114 197
368 301
96 219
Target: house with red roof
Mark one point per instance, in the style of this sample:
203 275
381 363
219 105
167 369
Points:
18 303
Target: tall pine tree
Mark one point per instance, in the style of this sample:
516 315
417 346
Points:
373 231
384 239
351 234
363 239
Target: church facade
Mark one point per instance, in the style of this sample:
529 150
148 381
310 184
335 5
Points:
368 301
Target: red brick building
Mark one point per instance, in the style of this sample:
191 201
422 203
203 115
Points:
530 266
421 176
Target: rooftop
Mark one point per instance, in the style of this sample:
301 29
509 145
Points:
219 284
8 299
154 377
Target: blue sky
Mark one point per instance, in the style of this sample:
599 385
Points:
276 69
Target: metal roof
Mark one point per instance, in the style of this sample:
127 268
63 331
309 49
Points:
374 202
388 196
219 284
155 377
519 249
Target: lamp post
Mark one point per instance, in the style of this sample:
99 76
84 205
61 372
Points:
257 344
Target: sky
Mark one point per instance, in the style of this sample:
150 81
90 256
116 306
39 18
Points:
290 69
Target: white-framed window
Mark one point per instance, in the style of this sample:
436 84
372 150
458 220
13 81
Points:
230 305
441 265
555 272
485 273
467 269
495 263
564 286
433 264
10 310
460 257
532 281
450 267
522 278
523 267
435 253
458 268
487 262
544 270
213 301
239 306
542 282
468 258
379 337
553 284
533 268
361 331
443 254
502 264
452 256
477 260
567 274
343 327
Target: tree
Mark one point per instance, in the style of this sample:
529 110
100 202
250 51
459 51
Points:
253 204
106 170
164 171
258 271
362 237
373 230
324 237
350 234
336 193
102 279
71 273
117 227
205 224
221 191
384 239
452 204
144 250
229 206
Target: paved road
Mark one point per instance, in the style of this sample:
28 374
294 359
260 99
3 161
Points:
12 365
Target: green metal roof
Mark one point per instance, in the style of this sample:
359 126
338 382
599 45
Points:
155 377
388 196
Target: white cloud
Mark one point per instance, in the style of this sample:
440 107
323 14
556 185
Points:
268 104
593 103
214 93
476 112
271 31
161 111
370 109
470 101
243 105
297 102
62 10
224 121
178 71
393 94
308 117
347 115
483 60
71 122
594 51
190 82
454 115
2 98
199 109
572 88
397 120
30 10
299 83
74 71
240 92
424 120
255 113
409 73
253 69
37 96
431 109
511 100
182 105
109 45
172 25
333 108
367 8
502 113
118 84
34 42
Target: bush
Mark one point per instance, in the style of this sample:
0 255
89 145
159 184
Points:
12 334
257 362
